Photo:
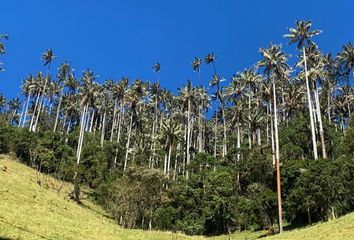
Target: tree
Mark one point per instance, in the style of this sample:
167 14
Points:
87 92
2 47
276 68
65 72
302 35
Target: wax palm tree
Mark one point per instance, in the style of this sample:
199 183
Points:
13 105
346 59
157 68
27 87
2 46
210 58
155 97
251 81
197 62
38 84
87 92
187 98
171 133
302 35
330 81
293 98
3 102
315 74
65 72
276 68
47 57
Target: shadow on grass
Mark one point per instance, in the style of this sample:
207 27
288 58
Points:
20 228
90 195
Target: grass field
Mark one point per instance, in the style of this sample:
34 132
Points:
29 210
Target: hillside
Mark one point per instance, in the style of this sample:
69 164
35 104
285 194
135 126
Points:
32 211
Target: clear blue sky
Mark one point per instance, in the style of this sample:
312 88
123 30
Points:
125 38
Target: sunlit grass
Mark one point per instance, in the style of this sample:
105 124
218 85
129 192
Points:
29 210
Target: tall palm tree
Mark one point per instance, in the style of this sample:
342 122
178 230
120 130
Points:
27 87
38 84
13 105
3 102
87 92
210 58
302 35
65 72
2 47
171 133
197 62
315 73
346 59
251 80
276 68
157 68
47 58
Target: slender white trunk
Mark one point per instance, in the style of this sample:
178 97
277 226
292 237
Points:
272 135
215 134
103 130
58 110
176 161
314 142
224 152
26 111
92 118
114 120
238 138
319 116
22 112
34 111
280 211
200 130
169 159
128 142
188 136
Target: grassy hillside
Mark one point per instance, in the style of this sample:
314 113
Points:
29 210
32 211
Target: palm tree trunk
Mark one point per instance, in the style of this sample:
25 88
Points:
318 112
26 110
176 161
267 127
120 122
152 146
280 211
314 142
128 142
329 104
22 112
103 130
249 123
34 111
114 120
224 131
200 131
272 134
215 134
188 137
92 118
76 190
58 110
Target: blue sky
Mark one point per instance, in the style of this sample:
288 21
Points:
125 38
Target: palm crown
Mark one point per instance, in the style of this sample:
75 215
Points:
302 34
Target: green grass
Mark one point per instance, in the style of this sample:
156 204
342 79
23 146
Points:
29 210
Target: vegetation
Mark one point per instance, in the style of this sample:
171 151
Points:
157 159
46 211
